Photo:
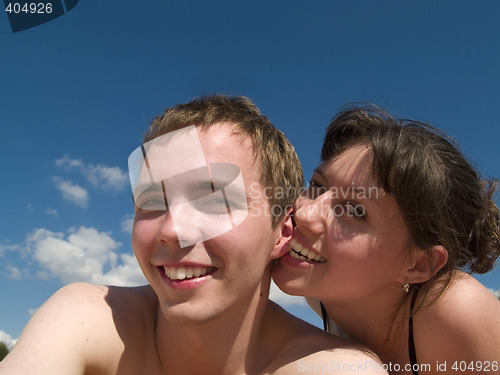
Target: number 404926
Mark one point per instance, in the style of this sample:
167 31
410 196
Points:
29 8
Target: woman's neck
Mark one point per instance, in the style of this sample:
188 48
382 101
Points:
381 323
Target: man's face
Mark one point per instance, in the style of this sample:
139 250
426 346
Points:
205 247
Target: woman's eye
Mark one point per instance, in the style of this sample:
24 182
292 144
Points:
355 210
350 210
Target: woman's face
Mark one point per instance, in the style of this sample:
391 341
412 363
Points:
350 239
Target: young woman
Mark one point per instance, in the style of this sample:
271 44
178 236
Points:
393 222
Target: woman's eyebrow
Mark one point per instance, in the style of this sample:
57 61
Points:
319 171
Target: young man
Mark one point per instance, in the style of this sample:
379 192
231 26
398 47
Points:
212 185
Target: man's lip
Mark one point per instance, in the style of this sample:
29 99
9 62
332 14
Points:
185 271
185 284
183 264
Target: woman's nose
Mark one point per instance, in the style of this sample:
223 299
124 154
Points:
311 213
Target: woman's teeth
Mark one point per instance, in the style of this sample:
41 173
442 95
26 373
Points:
300 252
186 272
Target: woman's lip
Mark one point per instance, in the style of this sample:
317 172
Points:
304 254
294 262
297 236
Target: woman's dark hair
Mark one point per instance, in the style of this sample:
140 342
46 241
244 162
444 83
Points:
442 198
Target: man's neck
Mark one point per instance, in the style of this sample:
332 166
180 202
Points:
229 344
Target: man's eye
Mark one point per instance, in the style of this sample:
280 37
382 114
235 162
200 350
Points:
151 203
214 206
219 203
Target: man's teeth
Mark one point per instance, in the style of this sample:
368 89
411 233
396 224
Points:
300 252
186 272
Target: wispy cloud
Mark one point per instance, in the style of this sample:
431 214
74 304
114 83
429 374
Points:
283 299
84 254
72 192
100 176
495 292
67 163
108 178
13 273
5 248
127 223
32 312
7 339
52 212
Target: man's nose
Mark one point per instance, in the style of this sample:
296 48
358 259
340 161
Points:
179 227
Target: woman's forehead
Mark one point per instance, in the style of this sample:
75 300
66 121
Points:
353 166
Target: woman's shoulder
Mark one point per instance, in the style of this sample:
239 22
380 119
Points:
462 323
465 298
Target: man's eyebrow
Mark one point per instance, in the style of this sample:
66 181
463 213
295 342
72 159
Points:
148 187
217 184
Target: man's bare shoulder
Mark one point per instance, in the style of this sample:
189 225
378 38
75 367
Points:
81 327
311 350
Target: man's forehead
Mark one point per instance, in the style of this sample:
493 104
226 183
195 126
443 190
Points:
173 153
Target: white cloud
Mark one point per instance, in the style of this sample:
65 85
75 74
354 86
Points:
85 255
108 178
67 163
51 211
72 192
32 312
42 275
495 292
14 273
5 248
127 223
7 339
283 299
100 176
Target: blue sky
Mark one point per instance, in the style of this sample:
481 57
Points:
77 93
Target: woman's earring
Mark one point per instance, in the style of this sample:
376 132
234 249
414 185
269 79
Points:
406 287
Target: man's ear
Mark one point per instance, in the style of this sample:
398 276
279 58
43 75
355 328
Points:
284 233
426 263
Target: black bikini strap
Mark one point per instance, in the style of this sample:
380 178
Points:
411 343
324 316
